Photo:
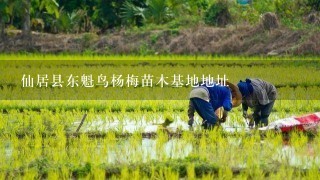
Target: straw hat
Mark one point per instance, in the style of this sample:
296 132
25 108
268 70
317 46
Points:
236 95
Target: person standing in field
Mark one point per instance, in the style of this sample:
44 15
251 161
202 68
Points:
260 96
206 99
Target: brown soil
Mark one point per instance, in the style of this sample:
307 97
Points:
236 40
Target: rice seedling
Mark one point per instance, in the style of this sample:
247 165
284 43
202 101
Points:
38 139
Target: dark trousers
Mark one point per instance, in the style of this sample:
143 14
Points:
261 114
206 112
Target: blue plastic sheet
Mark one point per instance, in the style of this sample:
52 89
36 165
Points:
244 2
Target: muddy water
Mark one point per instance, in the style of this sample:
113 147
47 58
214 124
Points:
293 158
129 126
124 151
148 150
179 148
144 150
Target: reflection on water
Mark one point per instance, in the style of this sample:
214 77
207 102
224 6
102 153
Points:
289 155
132 150
129 126
125 152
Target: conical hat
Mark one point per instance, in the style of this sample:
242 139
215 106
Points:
236 95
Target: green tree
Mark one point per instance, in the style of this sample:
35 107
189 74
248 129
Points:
107 14
26 27
218 14
314 4
132 14
158 11
72 5
263 6
24 9
196 7
177 6
290 9
76 15
49 6
4 16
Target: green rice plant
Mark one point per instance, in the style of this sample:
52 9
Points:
161 108
162 138
125 173
65 173
130 108
135 146
116 108
3 175
202 151
208 176
146 108
167 173
313 173
31 174
284 172
168 119
53 175
33 132
191 172
97 173
225 173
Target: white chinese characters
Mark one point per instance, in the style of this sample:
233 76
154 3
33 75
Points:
120 80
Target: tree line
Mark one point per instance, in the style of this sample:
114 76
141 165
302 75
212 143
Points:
75 16
82 15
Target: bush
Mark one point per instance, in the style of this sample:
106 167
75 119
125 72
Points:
264 6
88 39
269 21
292 8
218 14
314 4
247 14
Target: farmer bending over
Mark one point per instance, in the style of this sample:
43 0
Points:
207 98
260 96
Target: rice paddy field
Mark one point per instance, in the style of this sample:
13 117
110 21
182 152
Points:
43 99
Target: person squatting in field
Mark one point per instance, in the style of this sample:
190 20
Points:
207 98
260 96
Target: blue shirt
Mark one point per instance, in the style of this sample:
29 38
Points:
220 96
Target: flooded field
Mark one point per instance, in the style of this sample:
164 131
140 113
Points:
124 134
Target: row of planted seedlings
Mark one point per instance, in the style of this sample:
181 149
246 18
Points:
37 125
208 154
120 106
48 122
94 105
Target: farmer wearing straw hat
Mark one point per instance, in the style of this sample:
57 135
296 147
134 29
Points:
206 99
260 96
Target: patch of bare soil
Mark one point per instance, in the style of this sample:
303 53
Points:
41 42
235 40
